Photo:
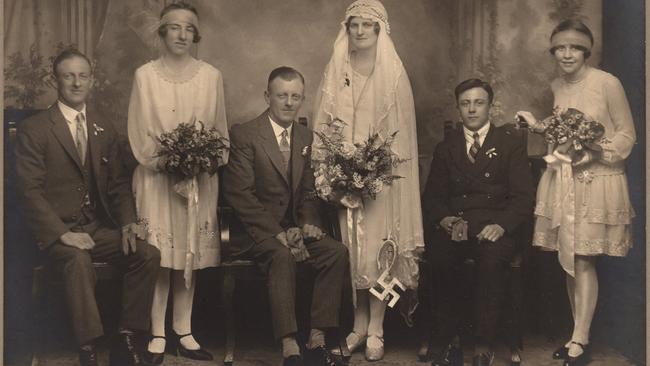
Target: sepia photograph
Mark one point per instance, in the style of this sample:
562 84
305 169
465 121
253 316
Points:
324 182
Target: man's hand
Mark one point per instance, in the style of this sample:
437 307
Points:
77 240
492 232
312 232
297 244
130 233
448 223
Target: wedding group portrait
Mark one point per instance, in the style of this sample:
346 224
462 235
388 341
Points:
324 182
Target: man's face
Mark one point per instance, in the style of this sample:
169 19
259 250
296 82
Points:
284 98
361 33
474 108
73 80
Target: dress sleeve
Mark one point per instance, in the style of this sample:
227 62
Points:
620 145
220 116
140 124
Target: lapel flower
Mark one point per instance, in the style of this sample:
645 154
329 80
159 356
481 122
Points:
491 153
98 129
306 150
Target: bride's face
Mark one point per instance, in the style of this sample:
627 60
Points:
569 57
362 33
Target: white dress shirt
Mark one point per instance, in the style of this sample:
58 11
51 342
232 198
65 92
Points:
277 130
469 136
70 115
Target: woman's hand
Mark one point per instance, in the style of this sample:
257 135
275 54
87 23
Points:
564 148
531 121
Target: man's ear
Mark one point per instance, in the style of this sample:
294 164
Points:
267 97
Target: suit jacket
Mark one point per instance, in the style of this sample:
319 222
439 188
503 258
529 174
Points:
496 189
50 177
256 187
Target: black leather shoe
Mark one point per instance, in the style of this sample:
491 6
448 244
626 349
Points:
124 352
451 356
319 356
293 360
579 360
484 359
88 355
151 358
561 353
194 354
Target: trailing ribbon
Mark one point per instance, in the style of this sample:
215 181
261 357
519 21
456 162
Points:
189 188
563 214
355 234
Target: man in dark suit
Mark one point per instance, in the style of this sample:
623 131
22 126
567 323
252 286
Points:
478 193
269 182
79 205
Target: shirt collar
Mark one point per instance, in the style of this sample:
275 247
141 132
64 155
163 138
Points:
482 132
277 129
70 113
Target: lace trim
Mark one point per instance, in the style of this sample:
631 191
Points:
620 248
188 74
592 215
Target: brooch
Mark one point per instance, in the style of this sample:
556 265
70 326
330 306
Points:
491 153
98 129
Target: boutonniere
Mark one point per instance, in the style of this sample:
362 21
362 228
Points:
98 129
491 153
306 150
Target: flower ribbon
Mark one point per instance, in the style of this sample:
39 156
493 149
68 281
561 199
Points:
563 209
189 188
355 233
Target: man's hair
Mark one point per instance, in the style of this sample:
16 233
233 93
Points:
285 73
474 83
347 25
67 54
181 5
578 26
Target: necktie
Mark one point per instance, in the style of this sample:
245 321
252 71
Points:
285 149
473 150
80 137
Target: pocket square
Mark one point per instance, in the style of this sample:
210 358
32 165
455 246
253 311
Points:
104 160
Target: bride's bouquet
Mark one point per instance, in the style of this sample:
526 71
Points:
347 173
571 126
189 151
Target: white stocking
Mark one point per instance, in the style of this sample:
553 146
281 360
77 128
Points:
158 310
586 297
183 302
376 324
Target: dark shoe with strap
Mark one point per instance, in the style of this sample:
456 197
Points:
320 356
581 359
451 356
484 359
193 354
152 358
88 355
561 353
293 360
124 352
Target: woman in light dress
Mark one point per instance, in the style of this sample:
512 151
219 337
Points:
365 85
583 208
173 89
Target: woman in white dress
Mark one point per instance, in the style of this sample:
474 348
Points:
173 89
583 208
365 85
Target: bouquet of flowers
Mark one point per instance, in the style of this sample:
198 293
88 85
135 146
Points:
348 173
189 151
573 127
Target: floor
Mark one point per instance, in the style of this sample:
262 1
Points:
257 352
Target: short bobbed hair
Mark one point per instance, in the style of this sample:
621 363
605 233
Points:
578 26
